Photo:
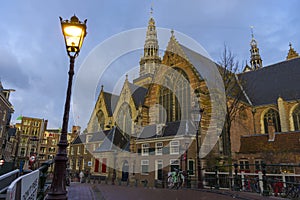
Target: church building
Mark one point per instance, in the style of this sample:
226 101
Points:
148 129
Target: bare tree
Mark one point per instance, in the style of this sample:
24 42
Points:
229 67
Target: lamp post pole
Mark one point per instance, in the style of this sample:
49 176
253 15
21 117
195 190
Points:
199 177
196 117
74 32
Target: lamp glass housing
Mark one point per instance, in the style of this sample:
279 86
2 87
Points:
74 32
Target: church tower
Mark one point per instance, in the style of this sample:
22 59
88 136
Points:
256 61
150 60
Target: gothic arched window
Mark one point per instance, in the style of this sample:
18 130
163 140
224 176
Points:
174 96
296 118
124 120
101 119
98 122
272 116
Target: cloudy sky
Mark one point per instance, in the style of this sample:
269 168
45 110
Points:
33 59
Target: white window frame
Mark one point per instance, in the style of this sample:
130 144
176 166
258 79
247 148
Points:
145 149
145 163
243 165
159 148
174 147
172 161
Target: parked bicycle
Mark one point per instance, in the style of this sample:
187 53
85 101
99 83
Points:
175 179
292 191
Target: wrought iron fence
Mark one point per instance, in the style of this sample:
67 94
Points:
263 181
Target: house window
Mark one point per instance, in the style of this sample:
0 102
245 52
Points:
296 118
257 165
94 147
191 167
145 166
158 148
51 150
72 150
85 150
22 153
78 150
145 149
4 115
273 117
103 168
88 138
244 165
174 147
174 164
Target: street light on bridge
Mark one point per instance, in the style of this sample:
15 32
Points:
74 32
196 117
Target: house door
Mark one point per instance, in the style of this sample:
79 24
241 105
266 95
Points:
125 171
159 170
96 169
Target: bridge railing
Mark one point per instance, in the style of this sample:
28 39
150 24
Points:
7 179
31 185
260 182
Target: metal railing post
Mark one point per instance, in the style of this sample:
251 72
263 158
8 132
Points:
265 182
217 186
236 178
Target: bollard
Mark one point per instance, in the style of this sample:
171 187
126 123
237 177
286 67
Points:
136 183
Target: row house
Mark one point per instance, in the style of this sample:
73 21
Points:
6 110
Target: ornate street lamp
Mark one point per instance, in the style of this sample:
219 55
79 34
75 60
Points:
74 32
196 117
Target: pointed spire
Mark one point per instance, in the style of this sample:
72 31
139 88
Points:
150 59
255 61
151 10
292 53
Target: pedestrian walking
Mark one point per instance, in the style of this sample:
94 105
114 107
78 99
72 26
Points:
81 175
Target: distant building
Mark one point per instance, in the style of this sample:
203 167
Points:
31 133
6 110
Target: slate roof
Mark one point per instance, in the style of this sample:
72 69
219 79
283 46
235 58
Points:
115 140
138 94
98 136
259 143
111 101
265 85
176 128
79 139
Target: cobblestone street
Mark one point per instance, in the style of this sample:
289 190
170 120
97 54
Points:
113 192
